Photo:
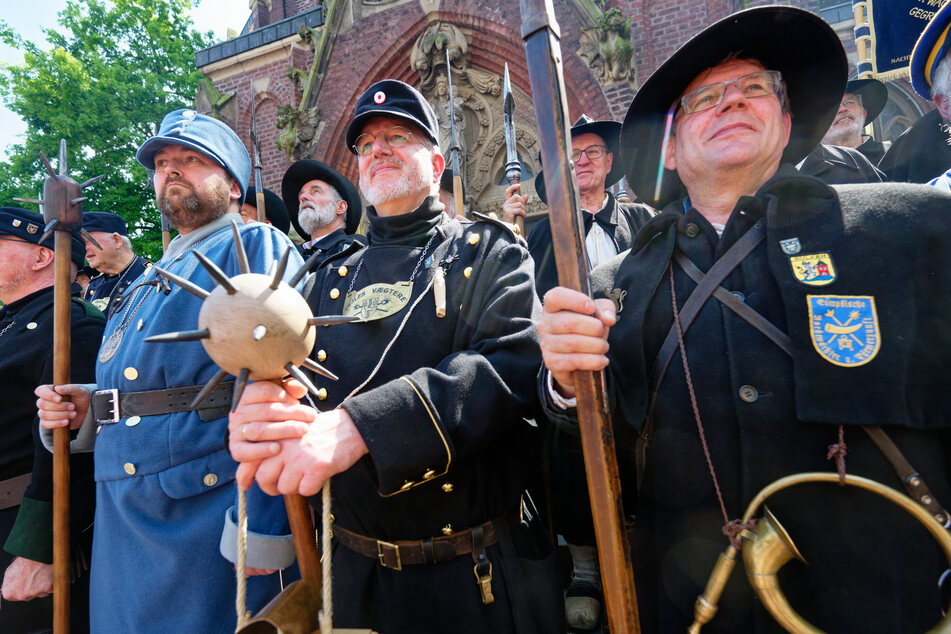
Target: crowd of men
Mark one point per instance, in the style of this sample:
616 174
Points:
770 305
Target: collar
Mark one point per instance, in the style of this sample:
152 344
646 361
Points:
182 243
327 239
412 228
34 303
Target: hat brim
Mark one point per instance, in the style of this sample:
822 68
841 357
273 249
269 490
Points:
304 171
797 43
874 95
356 126
923 56
610 131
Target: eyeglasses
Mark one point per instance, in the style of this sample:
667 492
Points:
395 137
854 100
758 84
593 152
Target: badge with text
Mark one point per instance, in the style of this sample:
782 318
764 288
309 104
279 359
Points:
813 270
377 301
844 328
790 246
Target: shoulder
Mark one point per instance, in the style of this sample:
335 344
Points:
490 225
637 213
86 310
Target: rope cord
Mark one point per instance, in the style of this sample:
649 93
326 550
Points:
326 613
240 600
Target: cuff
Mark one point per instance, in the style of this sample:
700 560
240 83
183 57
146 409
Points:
85 441
268 552
556 398
32 533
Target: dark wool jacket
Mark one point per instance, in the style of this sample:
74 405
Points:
873 150
105 291
331 245
921 153
835 165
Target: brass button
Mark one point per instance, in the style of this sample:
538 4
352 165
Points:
322 394
692 230
407 486
130 373
342 271
447 529
132 421
321 355
334 293
473 239
129 468
429 475
210 479
31 325
447 488
467 272
748 394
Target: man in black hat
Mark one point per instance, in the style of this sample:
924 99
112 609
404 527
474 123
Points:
274 209
325 208
861 104
829 313
118 266
26 468
425 431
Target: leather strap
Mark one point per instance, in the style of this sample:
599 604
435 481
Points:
395 555
12 490
111 406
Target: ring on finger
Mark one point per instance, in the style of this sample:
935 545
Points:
244 432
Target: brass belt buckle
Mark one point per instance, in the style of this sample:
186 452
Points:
381 554
484 579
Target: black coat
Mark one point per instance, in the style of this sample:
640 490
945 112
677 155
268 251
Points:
620 220
835 165
104 291
444 420
26 361
330 246
921 153
873 150
766 415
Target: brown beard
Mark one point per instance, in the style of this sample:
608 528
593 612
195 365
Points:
196 209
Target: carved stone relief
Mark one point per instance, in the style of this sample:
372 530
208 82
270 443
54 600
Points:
607 49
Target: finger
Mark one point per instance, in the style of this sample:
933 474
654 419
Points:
311 483
574 344
265 392
295 388
245 474
289 481
561 298
563 365
253 451
268 474
568 323
269 412
606 311
258 431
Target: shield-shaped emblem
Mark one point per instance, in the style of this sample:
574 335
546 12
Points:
790 246
844 328
813 270
32 228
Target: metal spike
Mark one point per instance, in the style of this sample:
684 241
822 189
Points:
179 335
300 376
217 274
50 228
197 291
209 386
240 383
49 167
76 201
91 181
294 281
279 271
332 320
239 251
508 98
313 366
63 168
89 237
32 201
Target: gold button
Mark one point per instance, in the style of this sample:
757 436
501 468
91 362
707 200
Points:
407 486
210 479
148 265
139 325
132 421
31 325
342 271
447 487
129 468
334 293
322 394
447 529
429 475
130 373
692 230
321 355
467 272
473 238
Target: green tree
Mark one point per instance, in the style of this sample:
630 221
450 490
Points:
112 71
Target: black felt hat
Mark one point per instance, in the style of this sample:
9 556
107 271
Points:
301 173
28 225
393 98
874 95
797 43
274 208
104 221
610 131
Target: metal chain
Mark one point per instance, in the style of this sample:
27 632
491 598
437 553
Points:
8 327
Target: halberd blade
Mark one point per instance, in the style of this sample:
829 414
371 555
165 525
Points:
508 100
217 274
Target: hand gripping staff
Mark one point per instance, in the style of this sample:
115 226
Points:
63 212
543 53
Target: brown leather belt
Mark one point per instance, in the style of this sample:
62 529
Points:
12 490
434 550
111 406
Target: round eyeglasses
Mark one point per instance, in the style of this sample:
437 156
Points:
758 84
395 137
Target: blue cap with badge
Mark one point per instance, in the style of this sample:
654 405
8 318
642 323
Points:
28 226
393 98
209 136
104 221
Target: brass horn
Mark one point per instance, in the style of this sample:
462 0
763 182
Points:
768 547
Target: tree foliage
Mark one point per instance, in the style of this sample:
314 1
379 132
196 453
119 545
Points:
112 71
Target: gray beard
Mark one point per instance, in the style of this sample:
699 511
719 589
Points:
414 181
313 218
195 210
842 137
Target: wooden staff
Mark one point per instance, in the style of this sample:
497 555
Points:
543 52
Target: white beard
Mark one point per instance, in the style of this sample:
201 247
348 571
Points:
313 218
413 180
839 136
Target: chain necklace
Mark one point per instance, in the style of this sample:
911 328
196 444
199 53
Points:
422 256
7 327
116 294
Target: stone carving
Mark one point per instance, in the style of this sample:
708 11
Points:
428 51
300 127
210 101
607 49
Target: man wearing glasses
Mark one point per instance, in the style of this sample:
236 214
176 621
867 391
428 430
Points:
813 330
425 431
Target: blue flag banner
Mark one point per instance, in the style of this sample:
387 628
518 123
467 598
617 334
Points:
886 32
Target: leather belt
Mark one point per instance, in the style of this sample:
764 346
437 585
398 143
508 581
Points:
111 406
12 490
434 550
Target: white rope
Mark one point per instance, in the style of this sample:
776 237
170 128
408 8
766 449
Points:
240 600
326 613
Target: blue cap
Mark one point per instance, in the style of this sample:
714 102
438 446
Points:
393 98
104 221
209 136
28 225
930 49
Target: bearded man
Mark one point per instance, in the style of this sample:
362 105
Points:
117 264
164 510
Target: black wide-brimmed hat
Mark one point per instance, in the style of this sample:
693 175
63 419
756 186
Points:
274 208
874 95
301 173
610 131
797 43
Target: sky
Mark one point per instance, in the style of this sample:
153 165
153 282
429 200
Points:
29 18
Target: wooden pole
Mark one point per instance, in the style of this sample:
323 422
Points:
61 361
